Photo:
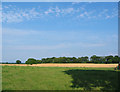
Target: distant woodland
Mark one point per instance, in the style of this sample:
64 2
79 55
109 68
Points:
93 59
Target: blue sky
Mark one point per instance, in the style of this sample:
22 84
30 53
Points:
50 29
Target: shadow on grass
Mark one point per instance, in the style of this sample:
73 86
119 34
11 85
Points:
102 80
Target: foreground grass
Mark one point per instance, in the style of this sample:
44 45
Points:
58 78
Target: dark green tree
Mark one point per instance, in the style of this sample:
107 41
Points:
7 63
79 60
102 60
84 59
115 59
43 60
109 61
18 62
107 58
31 61
94 59
39 61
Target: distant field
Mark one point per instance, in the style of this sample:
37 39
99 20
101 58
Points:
58 78
65 65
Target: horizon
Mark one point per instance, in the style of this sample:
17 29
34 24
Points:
38 30
55 57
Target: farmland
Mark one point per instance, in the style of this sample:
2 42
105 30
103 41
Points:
64 65
59 78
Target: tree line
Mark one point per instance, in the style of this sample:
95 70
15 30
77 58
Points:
93 59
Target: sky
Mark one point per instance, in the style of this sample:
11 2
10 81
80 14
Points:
47 29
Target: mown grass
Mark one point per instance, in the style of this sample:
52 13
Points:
59 78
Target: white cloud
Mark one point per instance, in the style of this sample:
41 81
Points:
81 44
86 14
103 14
14 14
57 10
50 10
59 36
114 36
19 15
12 17
68 10
18 32
6 7
107 17
56 46
75 3
108 14
40 47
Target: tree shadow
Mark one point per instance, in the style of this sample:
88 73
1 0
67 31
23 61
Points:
103 80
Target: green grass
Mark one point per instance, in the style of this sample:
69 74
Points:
58 78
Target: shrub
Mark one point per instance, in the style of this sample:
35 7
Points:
6 62
18 62
31 61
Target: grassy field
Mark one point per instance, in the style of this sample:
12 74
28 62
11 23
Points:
58 78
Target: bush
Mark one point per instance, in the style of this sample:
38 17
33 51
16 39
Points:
18 62
39 61
110 61
31 61
6 62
